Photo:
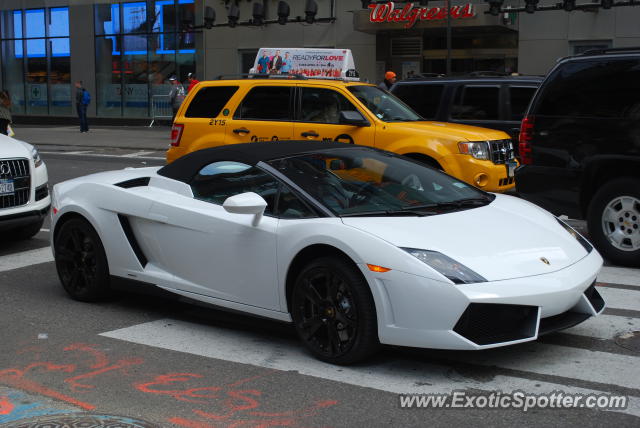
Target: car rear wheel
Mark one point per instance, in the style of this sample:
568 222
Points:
334 313
81 261
614 221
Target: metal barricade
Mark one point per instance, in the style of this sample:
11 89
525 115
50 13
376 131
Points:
160 108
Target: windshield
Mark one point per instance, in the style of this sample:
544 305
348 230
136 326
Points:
368 182
384 105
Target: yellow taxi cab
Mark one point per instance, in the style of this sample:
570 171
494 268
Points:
274 108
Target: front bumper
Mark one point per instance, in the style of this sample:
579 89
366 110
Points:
420 312
13 221
494 177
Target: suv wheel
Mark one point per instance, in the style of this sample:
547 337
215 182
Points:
614 221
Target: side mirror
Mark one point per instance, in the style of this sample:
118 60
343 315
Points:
246 203
353 117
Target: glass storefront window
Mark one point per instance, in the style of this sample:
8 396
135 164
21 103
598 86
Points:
139 45
36 60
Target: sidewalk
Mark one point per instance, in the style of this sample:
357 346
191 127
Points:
122 137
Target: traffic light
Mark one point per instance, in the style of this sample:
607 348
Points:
283 12
209 17
310 11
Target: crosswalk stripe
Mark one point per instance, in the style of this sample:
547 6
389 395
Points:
605 326
25 258
105 155
137 154
618 275
395 375
621 299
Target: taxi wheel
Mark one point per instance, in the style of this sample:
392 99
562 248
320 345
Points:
334 313
614 221
81 261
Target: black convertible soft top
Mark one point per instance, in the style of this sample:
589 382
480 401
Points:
186 167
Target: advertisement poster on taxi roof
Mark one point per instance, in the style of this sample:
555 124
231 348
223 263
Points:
317 63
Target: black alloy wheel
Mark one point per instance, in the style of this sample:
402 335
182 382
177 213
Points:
334 313
81 261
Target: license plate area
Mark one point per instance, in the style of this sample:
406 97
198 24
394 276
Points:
6 187
511 168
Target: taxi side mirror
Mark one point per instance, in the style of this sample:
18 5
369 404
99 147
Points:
353 117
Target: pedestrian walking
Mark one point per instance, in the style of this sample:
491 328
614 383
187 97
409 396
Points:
389 80
5 113
176 95
191 78
83 98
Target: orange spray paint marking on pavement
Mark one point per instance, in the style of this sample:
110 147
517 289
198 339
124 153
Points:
6 406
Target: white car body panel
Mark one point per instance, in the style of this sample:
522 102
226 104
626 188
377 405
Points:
199 250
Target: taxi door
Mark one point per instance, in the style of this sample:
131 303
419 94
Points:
264 114
318 117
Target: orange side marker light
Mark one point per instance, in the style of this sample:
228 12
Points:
376 268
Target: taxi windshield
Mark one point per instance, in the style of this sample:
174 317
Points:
364 182
385 106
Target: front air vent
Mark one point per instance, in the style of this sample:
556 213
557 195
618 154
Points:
128 231
490 323
594 298
134 182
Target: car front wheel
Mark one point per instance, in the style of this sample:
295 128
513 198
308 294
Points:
614 221
81 261
333 311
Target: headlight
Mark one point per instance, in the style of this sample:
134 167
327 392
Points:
585 244
477 149
456 272
36 157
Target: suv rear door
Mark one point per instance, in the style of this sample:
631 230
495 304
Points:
264 114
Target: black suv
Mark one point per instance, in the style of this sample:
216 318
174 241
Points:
580 148
479 99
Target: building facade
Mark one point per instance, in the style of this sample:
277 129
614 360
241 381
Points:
124 51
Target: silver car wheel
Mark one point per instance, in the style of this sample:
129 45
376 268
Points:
621 223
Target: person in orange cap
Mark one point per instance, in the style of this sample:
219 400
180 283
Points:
389 80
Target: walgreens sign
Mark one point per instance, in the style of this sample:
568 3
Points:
410 14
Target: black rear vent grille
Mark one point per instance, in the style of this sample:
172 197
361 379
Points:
15 173
128 231
134 182
488 323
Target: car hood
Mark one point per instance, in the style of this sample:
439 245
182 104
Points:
12 148
503 240
447 131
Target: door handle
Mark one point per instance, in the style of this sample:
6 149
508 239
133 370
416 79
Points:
241 131
310 134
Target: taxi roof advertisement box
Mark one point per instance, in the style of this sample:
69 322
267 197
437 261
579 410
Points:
317 63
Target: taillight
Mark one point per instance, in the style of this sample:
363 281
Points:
526 135
176 134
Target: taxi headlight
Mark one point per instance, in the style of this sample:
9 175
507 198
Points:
585 244
477 149
456 272
36 157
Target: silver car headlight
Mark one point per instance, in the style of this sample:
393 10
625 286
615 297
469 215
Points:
36 157
477 149
585 244
456 272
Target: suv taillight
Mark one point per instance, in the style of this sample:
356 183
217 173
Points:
526 135
176 133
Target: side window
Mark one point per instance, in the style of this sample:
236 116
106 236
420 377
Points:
424 99
266 103
290 206
476 103
520 98
208 102
220 180
323 105
604 89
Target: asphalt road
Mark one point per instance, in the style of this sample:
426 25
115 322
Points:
174 364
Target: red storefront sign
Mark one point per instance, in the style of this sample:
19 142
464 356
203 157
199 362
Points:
409 14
